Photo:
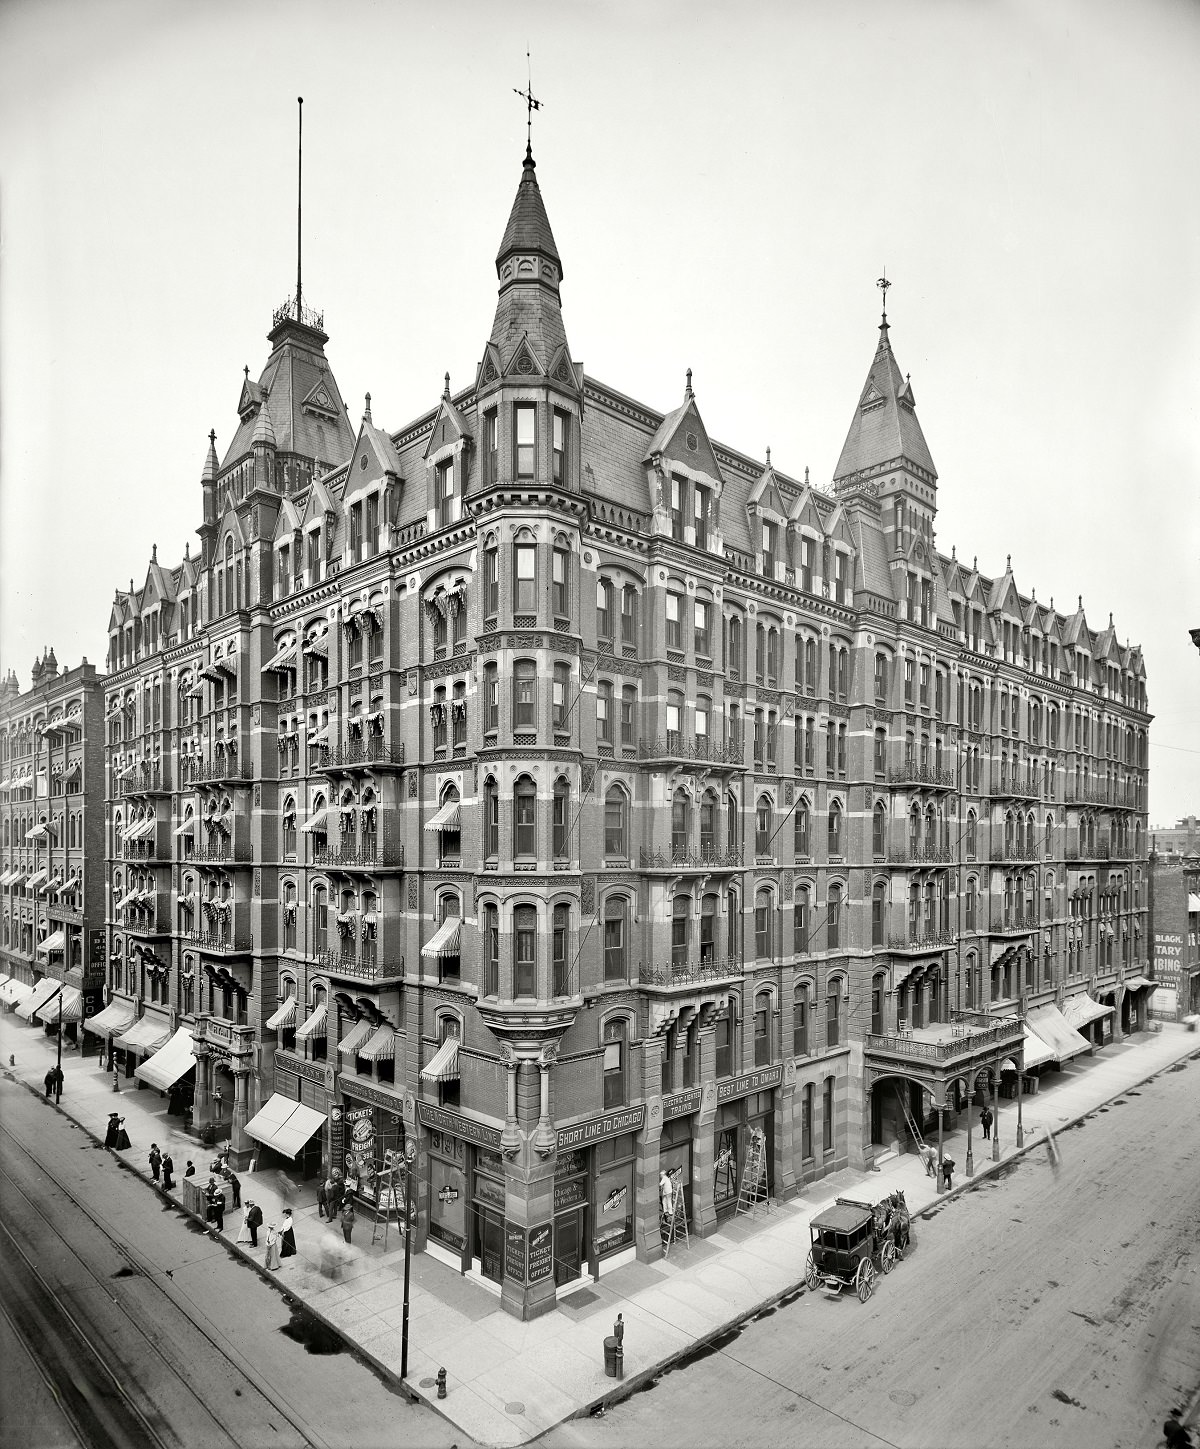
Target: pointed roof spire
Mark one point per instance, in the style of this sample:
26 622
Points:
528 228
883 284
211 466
806 475
530 271
264 431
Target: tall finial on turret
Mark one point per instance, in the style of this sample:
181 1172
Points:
367 408
531 104
299 195
768 455
883 284
687 391
446 389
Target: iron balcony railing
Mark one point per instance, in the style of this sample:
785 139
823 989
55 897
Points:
972 1030
358 857
1015 790
687 859
921 855
216 944
1122 796
145 782
702 971
216 772
675 745
1015 924
914 774
227 855
366 752
364 962
1098 850
1019 853
922 940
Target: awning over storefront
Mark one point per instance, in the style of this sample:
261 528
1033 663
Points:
284 1125
447 818
72 1007
355 1037
314 1025
1080 1009
47 987
381 1047
1137 983
147 1035
113 1020
1058 1034
55 941
169 1063
14 991
443 1065
1037 1053
444 941
285 1017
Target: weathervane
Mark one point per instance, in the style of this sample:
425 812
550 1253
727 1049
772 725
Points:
531 104
883 284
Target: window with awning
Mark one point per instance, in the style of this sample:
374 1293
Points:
314 1026
1062 1038
285 1018
284 657
147 1035
355 1037
443 1065
318 820
1080 1010
447 818
39 832
71 1001
40 996
322 735
37 878
382 1045
319 643
56 941
445 940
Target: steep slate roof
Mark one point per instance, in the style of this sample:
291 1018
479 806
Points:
528 307
528 228
871 569
885 422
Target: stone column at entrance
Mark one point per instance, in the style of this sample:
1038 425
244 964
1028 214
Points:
239 1143
202 1100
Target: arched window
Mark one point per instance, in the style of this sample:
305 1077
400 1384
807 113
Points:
733 834
561 818
970 903
681 931
525 561
879 829
604 712
559 962
827 1107
289 825
972 834
878 913
615 1042
708 930
835 828
833 930
762 1029
833 1012
681 823
764 925
914 832
558 697
629 617
524 819
801 840
604 609
525 951
450 832
800 1008
320 921
708 826
616 921
616 824
491 818
878 1016
762 826
800 922
726 1038
491 951
733 662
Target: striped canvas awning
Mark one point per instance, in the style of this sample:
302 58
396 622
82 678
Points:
447 818
37 878
355 1037
187 828
56 941
72 1007
445 940
382 1045
148 1034
47 987
284 1125
314 1026
284 657
285 1017
317 821
443 1065
1080 1009
14 991
169 1063
116 1017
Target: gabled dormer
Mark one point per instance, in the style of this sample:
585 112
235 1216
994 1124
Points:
318 531
371 490
447 460
767 516
806 539
685 480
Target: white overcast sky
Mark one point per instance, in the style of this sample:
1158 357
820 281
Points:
725 183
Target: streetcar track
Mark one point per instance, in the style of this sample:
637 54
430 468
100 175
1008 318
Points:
177 1297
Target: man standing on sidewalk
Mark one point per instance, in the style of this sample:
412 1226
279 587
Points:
155 1161
985 1121
49 1081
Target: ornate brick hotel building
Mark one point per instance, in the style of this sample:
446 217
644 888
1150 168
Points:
553 786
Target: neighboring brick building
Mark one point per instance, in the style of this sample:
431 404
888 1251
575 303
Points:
580 797
1175 933
52 843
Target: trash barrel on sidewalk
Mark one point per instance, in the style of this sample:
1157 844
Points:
611 1349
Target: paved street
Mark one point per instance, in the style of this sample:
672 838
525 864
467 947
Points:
1036 1310
149 1330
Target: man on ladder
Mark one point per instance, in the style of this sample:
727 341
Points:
754 1187
673 1222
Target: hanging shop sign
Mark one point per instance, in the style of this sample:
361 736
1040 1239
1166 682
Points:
750 1082
459 1125
612 1124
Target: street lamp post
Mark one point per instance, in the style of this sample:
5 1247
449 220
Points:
410 1154
58 1065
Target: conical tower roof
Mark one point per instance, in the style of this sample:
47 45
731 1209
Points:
885 427
529 270
528 228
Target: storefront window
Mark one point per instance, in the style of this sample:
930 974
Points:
447 1191
725 1171
614 1200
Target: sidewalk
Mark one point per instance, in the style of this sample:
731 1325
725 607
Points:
510 1381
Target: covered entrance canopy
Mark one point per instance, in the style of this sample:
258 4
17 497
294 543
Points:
937 1055
1058 1034
47 987
284 1125
1137 983
169 1063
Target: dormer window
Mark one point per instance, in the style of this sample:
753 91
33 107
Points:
371 525
807 552
285 571
677 491
768 548
314 556
700 507
447 498
356 538
491 447
560 446
840 588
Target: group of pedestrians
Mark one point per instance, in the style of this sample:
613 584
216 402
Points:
337 1203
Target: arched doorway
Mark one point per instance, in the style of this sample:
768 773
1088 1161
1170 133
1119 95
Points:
222 1100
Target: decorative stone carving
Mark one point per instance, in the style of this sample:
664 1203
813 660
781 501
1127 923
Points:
412 893
587 895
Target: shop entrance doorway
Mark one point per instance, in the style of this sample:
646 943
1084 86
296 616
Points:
569 1238
489 1244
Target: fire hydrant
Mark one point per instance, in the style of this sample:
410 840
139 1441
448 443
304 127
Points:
441 1383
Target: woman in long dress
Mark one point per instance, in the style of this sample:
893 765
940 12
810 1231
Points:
288 1248
123 1142
244 1231
272 1246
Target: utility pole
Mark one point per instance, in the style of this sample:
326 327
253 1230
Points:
410 1156
58 1066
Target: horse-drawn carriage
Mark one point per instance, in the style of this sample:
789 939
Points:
852 1242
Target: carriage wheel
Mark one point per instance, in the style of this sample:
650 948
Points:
887 1259
864 1280
811 1276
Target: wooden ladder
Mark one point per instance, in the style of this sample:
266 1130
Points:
676 1221
754 1188
385 1188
